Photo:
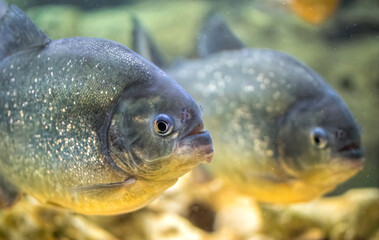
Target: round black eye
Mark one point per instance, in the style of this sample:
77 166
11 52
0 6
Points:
163 125
319 138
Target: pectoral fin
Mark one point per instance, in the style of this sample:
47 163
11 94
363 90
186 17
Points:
8 193
269 178
103 190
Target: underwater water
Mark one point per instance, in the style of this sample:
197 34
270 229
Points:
343 48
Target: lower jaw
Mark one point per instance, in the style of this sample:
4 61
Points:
329 176
300 190
206 153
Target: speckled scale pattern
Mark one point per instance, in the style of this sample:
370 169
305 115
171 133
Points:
241 91
262 106
54 109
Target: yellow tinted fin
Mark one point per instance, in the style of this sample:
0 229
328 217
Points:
104 190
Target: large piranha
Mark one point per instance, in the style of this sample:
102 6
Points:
89 125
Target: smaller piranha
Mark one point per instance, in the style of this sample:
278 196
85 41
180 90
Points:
89 125
282 134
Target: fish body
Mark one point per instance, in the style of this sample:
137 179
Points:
281 133
89 125
262 118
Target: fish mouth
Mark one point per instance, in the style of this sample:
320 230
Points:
353 153
198 142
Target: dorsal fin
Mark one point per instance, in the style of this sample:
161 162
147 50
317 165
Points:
216 36
3 8
19 33
144 45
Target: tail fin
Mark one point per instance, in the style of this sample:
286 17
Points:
144 45
18 32
216 36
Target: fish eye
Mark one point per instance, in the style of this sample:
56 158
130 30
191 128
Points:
319 138
163 125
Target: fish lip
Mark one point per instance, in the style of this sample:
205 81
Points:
351 146
198 129
352 152
199 143
349 163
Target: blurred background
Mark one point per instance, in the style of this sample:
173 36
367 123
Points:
338 39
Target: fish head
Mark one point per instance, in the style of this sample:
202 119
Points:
319 142
159 132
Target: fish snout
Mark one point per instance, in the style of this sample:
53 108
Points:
197 142
353 154
197 130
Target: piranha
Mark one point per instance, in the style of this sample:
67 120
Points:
88 125
282 134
